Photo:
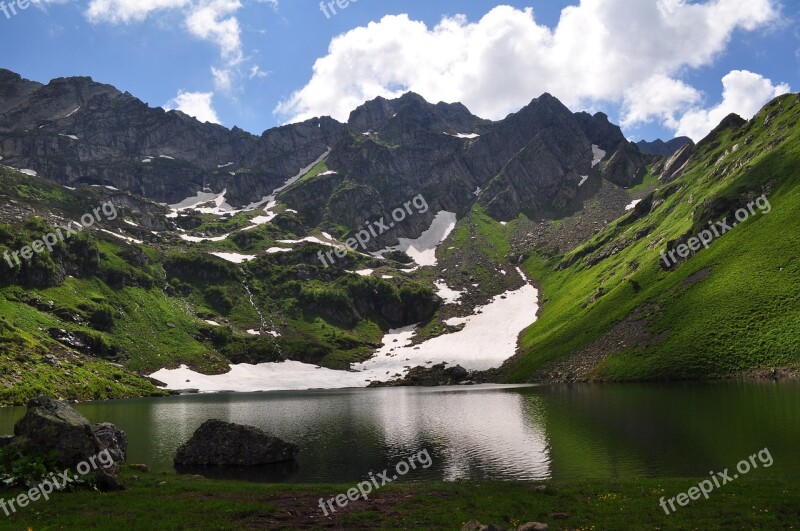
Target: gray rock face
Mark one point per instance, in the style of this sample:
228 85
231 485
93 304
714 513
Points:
676 164
389 152
52 426
115 132
625 166
601 131
218 443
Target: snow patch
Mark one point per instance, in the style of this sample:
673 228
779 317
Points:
73 112
633 204
32 173
235 258
423 249
486 341
121 237
584 178
72 137
195 239
311 239
597 155
464 135
448 295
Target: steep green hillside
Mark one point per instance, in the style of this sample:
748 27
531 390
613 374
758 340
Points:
90 319
613 311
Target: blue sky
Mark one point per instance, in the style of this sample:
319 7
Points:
658 69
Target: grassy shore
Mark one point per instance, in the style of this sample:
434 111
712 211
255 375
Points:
166 502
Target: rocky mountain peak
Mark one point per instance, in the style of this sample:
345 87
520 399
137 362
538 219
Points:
601 131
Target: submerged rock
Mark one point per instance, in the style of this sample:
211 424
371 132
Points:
218 443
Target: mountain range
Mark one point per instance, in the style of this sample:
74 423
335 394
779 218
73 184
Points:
214 258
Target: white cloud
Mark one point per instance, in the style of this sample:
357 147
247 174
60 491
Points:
209 20
222 79
213 20
598 50
196 104
255 71
658 97
744 93
126 11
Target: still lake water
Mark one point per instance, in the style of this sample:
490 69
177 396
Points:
494 432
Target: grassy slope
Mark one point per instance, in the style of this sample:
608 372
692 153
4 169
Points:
743 317
169 502
159 295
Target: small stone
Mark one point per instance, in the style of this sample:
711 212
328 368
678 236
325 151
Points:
139 467
540 488
533 526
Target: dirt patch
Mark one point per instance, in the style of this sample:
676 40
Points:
697 277
298 510
633 332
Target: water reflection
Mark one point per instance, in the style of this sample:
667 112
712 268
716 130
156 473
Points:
496 432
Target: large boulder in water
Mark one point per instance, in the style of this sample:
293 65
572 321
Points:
218 443
53 428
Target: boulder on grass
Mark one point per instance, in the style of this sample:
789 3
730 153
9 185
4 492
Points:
218 443
52 427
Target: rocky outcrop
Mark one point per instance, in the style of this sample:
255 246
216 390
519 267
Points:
676 164
411 118
218 443
601 131
434 376
626 166
50 427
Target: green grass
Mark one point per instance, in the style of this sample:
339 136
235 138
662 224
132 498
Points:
740 319
171 503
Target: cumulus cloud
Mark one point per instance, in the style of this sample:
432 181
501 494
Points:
213 20
598 51
657 98
196 104
744 93
209 20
